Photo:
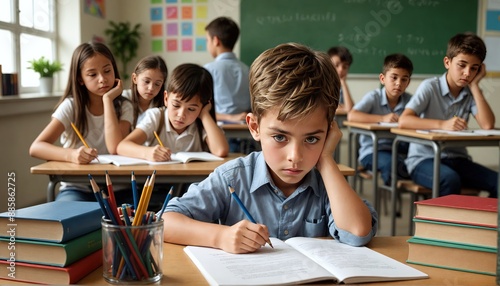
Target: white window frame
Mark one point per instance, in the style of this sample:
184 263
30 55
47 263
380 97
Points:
17 29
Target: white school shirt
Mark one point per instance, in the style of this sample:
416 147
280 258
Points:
127 93
94 135
188 141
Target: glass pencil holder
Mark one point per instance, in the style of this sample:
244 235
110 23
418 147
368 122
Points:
132 254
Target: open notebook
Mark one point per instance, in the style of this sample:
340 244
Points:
467 132
299 260
177 158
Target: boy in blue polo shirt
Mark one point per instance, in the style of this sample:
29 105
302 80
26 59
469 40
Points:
384 104
341 59
293 187
446 103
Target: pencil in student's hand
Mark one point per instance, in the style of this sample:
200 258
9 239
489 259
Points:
244 209
81 137
159 140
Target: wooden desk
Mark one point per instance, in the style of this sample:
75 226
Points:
172 173
234 130
376 132
179 270
438 141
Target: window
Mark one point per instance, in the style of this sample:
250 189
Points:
27 31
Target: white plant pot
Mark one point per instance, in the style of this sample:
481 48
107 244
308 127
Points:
46 85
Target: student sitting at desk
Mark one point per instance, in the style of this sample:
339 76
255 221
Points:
384 104
445 103
148 86
341 58
100 115
293 187
187 124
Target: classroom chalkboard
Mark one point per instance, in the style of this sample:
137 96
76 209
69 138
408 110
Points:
370 29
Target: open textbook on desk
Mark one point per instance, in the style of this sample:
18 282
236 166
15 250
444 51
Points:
176 158
299 260
467 132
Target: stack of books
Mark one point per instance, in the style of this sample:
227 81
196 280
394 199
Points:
456 232
51 243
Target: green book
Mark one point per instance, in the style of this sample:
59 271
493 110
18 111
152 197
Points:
50 253
454 256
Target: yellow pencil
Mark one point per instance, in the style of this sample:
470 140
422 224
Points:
79 135
81 138
158 138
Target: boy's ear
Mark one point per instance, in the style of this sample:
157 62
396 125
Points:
253 126
381 77
447 62
165 97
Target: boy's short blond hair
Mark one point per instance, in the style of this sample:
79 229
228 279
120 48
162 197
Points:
296 79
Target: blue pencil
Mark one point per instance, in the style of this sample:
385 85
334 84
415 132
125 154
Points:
244 209
242 206
98 196
165 203
134 191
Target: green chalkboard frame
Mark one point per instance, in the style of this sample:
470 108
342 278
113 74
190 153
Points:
371 29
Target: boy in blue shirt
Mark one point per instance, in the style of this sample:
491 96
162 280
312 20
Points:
341 59
446 103
293 187
384 104
231 93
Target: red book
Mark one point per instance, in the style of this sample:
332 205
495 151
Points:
46 274
460 209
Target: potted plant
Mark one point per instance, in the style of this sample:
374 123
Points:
124 43
46 69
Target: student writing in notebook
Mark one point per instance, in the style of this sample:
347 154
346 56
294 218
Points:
446 102
384 104
341 58
93 102
293 187
148 86
186 124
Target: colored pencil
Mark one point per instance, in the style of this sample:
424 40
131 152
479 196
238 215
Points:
165 203
159 140
244 209
81 138
98 197
134 190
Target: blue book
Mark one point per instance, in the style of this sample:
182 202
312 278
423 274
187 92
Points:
58 221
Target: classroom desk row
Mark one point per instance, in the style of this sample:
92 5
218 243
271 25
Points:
438 142
179 270
172 173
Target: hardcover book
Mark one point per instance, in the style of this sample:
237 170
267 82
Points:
176 158
456 233
299 260
50 253
460 209
57 221
452 256
44 274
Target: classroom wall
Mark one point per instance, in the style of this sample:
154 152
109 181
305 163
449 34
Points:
75 26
